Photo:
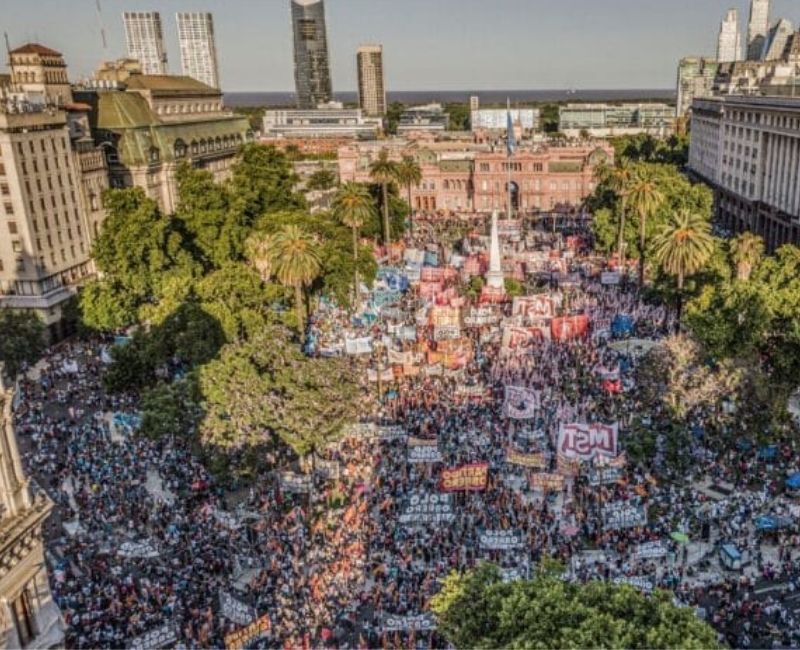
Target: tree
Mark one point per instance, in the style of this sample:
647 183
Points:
105 306
644 197
459 116
682 247
620 179
322 179
409 173
211 225
746 251
393 116
263 181
264 391
383 171
170 409
353 206
296 263
479 610
22 340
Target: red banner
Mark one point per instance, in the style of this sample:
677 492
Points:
565 328
466 478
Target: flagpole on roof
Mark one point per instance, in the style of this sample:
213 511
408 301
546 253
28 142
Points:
509 151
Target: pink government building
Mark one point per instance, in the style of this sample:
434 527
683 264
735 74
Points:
471 176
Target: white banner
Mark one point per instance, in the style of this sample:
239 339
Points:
387 374
361 345
446 332
530 307
609 277
650 550
401 358
642 583
295 483
413 622
137 550
501 540
425 508
392 432
235 610
424 454
521 403
161 637
585 441
623 514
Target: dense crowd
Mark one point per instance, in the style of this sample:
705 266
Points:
143 537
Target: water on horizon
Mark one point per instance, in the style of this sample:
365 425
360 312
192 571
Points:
487 97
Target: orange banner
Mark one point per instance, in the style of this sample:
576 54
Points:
465 478
240 638
547 482
537 461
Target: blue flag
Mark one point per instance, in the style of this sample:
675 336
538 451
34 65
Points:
511 144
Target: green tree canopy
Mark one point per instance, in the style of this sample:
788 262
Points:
479 610
22 340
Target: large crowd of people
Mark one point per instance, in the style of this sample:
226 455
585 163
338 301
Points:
143 539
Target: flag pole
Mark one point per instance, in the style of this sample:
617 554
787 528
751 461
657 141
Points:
510 152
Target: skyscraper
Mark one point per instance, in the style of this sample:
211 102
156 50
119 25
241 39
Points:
145 40
312 75
729 45
198 50
778 37
371 89
757 29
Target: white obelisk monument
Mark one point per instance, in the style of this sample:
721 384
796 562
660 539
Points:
494 278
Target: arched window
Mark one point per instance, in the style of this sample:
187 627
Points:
154 154
195 148
217 143
446 184
179 148
203 147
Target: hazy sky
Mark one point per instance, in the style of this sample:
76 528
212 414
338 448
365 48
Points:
428 44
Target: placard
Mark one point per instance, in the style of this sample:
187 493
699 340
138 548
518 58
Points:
643 583
408 623
465 478
235 610
650 550
294 483
137 550
239 639
585 441
547 482
161 637
623 514
521 403
426 508
501 540
424 454
535 461
362 345
609 277
528 307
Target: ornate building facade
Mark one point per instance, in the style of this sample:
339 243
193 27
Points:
474 178
29 617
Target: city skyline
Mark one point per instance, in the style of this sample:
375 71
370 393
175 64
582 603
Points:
623 44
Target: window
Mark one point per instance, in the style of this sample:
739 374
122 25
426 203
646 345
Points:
4 189
9 208
12 227
16 246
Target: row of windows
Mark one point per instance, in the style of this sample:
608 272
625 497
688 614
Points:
183 109
516 166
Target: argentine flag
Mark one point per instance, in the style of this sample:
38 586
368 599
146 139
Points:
511 144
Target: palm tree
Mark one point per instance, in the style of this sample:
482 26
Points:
620 178
384 171
645 197
682 247
353 206
257 249
746 251
296 262
409 173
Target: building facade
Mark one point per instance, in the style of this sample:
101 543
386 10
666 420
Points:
428 118
777 39
198 47
312 74
148 125
145 40
474 178
45 217
371 86
496 119
605 120
729 43
29 617
748 150
757 28
328 121
695 80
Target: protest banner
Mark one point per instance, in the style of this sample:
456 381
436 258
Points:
521 403
390 432
620 461
235 610
441 316
623 514
465 478
604 475
431 274
423 508
413 441
643 583
501 540
239 639
534 461
401 358
568 467
409 623
518 339
650 550
294 483
480 316
601 328
387 374
137 550
585 441
609 277
413 256
360 430
362 345
446 332
564 328
547 482
161 637
424 454
539 306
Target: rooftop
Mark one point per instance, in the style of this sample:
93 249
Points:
168 83
35 48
